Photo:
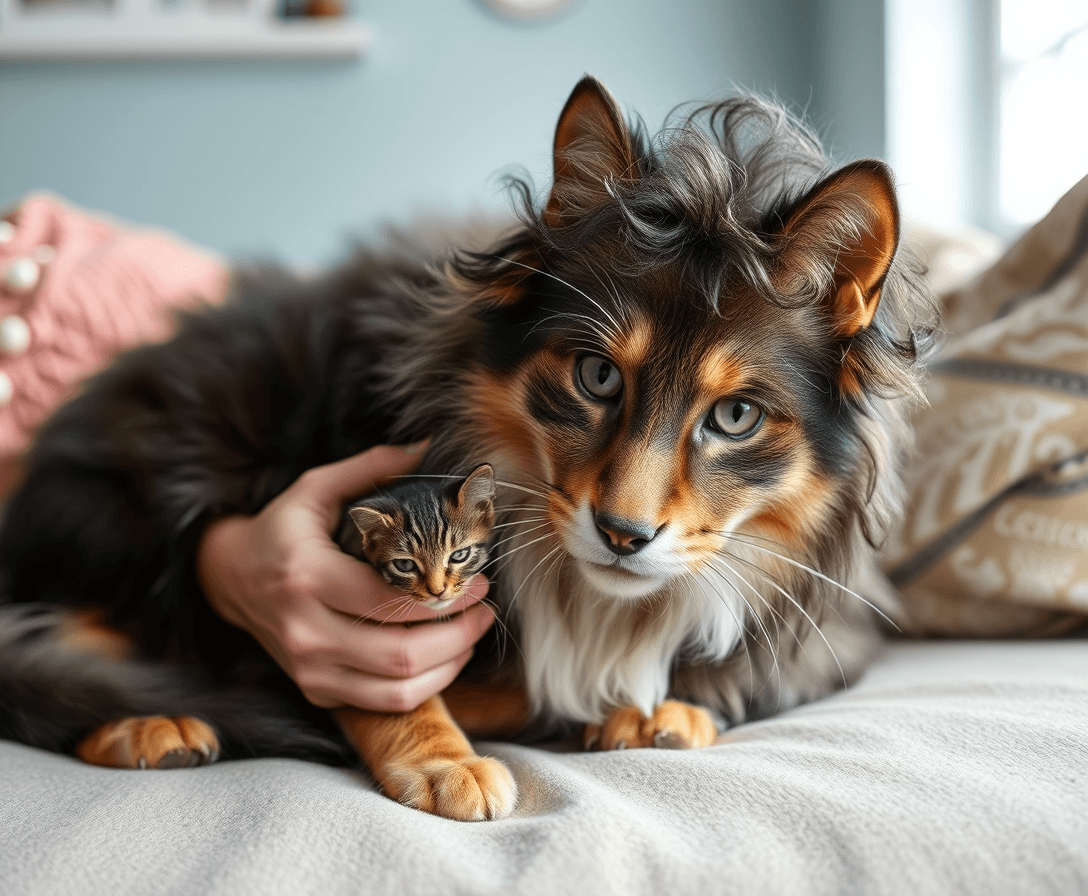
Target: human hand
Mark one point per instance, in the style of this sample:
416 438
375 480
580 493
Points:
332 622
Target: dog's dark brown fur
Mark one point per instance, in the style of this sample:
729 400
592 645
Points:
691 366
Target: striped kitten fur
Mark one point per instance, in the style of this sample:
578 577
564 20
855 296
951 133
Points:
426 538
689 366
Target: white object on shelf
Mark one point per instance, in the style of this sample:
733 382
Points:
153 29
528 10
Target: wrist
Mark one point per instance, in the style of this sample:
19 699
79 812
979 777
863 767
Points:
215 549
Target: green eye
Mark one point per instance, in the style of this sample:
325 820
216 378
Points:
736 418
460 556
401 565
599 377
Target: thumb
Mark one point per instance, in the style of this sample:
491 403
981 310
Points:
333 484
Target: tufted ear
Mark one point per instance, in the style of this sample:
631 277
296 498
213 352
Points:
592 146
851 216
477 491
368 520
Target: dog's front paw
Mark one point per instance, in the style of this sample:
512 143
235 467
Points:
672 726
470 788
150 742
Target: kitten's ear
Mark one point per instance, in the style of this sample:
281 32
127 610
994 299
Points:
369 520
852 217
592 147
478 490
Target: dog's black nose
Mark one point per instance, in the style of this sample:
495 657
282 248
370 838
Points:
621 536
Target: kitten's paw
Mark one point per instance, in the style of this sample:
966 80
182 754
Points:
473 788
673 726
151 742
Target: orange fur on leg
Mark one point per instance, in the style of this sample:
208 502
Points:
422 759
483 710
150 742
673 725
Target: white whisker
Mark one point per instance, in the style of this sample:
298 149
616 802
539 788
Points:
758 619
518 534
741 627
528 577
756 568
815 626
521 547
501 482
617 329
741 536
521 522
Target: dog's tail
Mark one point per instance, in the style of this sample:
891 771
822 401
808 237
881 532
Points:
53 694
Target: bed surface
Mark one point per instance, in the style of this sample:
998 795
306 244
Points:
950 767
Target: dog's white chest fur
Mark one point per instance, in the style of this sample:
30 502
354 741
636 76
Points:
584 652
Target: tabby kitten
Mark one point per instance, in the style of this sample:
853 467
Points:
426 539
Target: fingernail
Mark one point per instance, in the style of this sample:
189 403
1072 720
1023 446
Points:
416 447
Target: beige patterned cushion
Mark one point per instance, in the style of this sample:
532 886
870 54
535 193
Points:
996 538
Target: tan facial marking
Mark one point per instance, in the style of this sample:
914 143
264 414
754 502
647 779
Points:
500 408
630 349
800 504
720 374
85 631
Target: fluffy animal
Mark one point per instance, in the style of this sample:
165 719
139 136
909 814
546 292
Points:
427 538
690 367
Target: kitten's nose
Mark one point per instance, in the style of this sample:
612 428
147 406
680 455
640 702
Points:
621 536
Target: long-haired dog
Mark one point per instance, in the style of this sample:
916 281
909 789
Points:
690 369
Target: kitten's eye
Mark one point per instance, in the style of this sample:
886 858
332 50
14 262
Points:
599 377
460 556
736 418
402 565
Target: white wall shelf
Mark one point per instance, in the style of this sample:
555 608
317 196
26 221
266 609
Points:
148 29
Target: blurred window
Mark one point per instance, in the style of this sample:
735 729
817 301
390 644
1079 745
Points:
1043 111
987 107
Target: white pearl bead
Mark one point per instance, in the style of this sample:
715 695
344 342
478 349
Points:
7 232
22 275
14 335
7 389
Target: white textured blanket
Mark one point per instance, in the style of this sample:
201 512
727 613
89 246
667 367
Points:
950 768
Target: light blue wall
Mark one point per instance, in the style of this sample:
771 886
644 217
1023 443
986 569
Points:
291 158
848 76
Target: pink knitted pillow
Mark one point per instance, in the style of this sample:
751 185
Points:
76 288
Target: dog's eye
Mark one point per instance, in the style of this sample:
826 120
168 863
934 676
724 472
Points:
599 377
402 565
460 556
736 418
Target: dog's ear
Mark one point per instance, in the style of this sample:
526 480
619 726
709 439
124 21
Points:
592 147
852 218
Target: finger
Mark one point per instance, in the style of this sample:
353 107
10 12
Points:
394 651
386 694
329 486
